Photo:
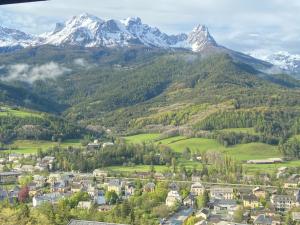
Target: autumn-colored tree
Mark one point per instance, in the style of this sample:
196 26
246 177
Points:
23 194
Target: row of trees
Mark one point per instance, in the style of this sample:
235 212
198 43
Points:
121 154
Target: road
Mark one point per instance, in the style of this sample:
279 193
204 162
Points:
180 217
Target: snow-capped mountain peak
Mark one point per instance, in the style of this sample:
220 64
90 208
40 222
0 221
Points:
132 21
282 59
11 38
89 31
86 30
200 38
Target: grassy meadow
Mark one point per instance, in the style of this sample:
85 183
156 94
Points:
31 147
240 152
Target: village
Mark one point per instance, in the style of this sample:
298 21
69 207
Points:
207 203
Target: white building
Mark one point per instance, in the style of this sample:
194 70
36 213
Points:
197 189
52 198
173 198
221 193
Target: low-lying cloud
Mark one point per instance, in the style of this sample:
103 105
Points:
29 73
81 62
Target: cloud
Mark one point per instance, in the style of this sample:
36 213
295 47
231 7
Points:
81 62
30 74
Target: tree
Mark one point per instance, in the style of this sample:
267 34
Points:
289 220
125 209
25 180
23 194
111 197
174 165
238 215
203 200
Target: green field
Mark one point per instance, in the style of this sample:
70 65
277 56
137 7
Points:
31 147
252 151
241 152
140 138
268 168
196 144
18 113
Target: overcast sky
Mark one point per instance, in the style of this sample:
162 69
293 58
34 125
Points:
242 25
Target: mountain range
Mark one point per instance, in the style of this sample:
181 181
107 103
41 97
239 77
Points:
288 63
90 31
126 75
86 30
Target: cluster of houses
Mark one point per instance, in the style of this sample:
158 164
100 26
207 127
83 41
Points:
15 160
224 202
263 206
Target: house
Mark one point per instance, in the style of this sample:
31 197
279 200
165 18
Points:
85 204
94 145
224 205
9 177
107 144
51 198
262 219
259 192
39 180
32 188
197 189
83 222
221 193
99 198
189 201
149 187
173 198
251 201
47 162
115 185
283 202
27 169
60 186
296 216
203 213
290 184
40 167
129 189
76 187
100 173
292 181
90 189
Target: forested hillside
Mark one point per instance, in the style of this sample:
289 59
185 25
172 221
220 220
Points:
138 89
